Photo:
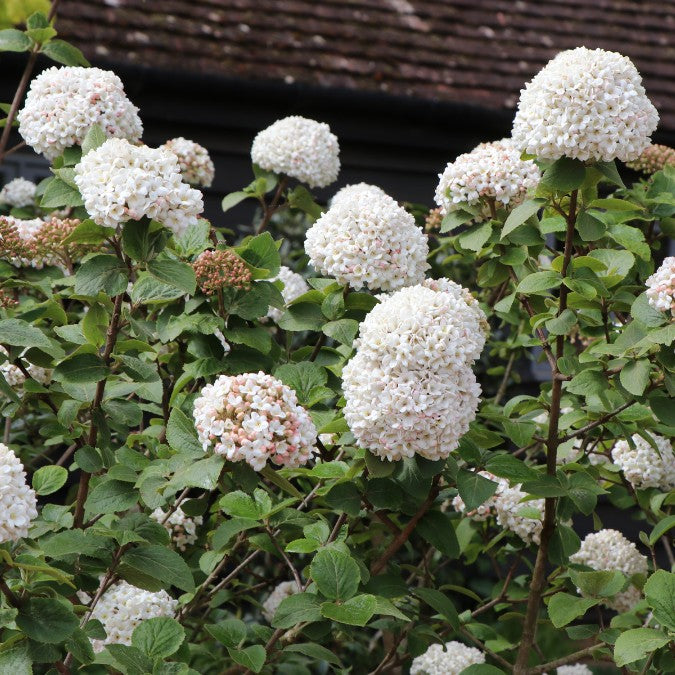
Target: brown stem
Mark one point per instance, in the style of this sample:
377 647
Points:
401 539
505 380
12 598
600 421
21 89
286 559
566 659
501 661
548 528
269 210
111 337
317 347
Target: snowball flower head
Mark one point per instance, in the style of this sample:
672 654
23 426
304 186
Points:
574 669
490 173
609 550
449 659
17 500
196 166
123 606
254 417
643 466
487 508
348 192
587 104
119 181
181 528
284 590
409 388
661 287
63 103
299 148
294 286
18 192
367 239
654 158
522 518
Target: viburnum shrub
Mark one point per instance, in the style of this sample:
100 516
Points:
233 455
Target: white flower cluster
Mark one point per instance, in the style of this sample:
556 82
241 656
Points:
574 669
661 287
410 388
522 518
491 171
18 192
588 104
609 550
62 104
299 148
348 192
294 286
182 528
26 231
120 181
254 417
15 376
643 466
367 239
488 507
17 500
450 659
195 163
284 590
123 606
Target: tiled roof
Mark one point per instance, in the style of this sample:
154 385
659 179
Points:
470 51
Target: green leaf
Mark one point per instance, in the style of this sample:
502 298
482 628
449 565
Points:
202 474
298 608
564 175
80 369
261 252
315 652
95 138
307 379
234 198
661 528
20 333
12 40
158 637
144 239
539 282
302 316
660 593
58 193
229 632
46 620
563 608
454 219
664 408
441 603
149 290
252 657
240 505
162 564
174 273
129 660
589 227
181 434
342 330
520 214
475 237
336 574
645 313
105 273
610 172
474 489
637 643
510 467
618 264
65 53
300 198
49 479
88 232
356 611
634 376
110 496
72 542
436 528
601 583
587 383
15 659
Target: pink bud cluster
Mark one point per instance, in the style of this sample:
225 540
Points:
254 417
655 158
220 269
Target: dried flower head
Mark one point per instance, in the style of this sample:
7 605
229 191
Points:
254 417
587 104
299 148
196 166
219 269
63 103
654 158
